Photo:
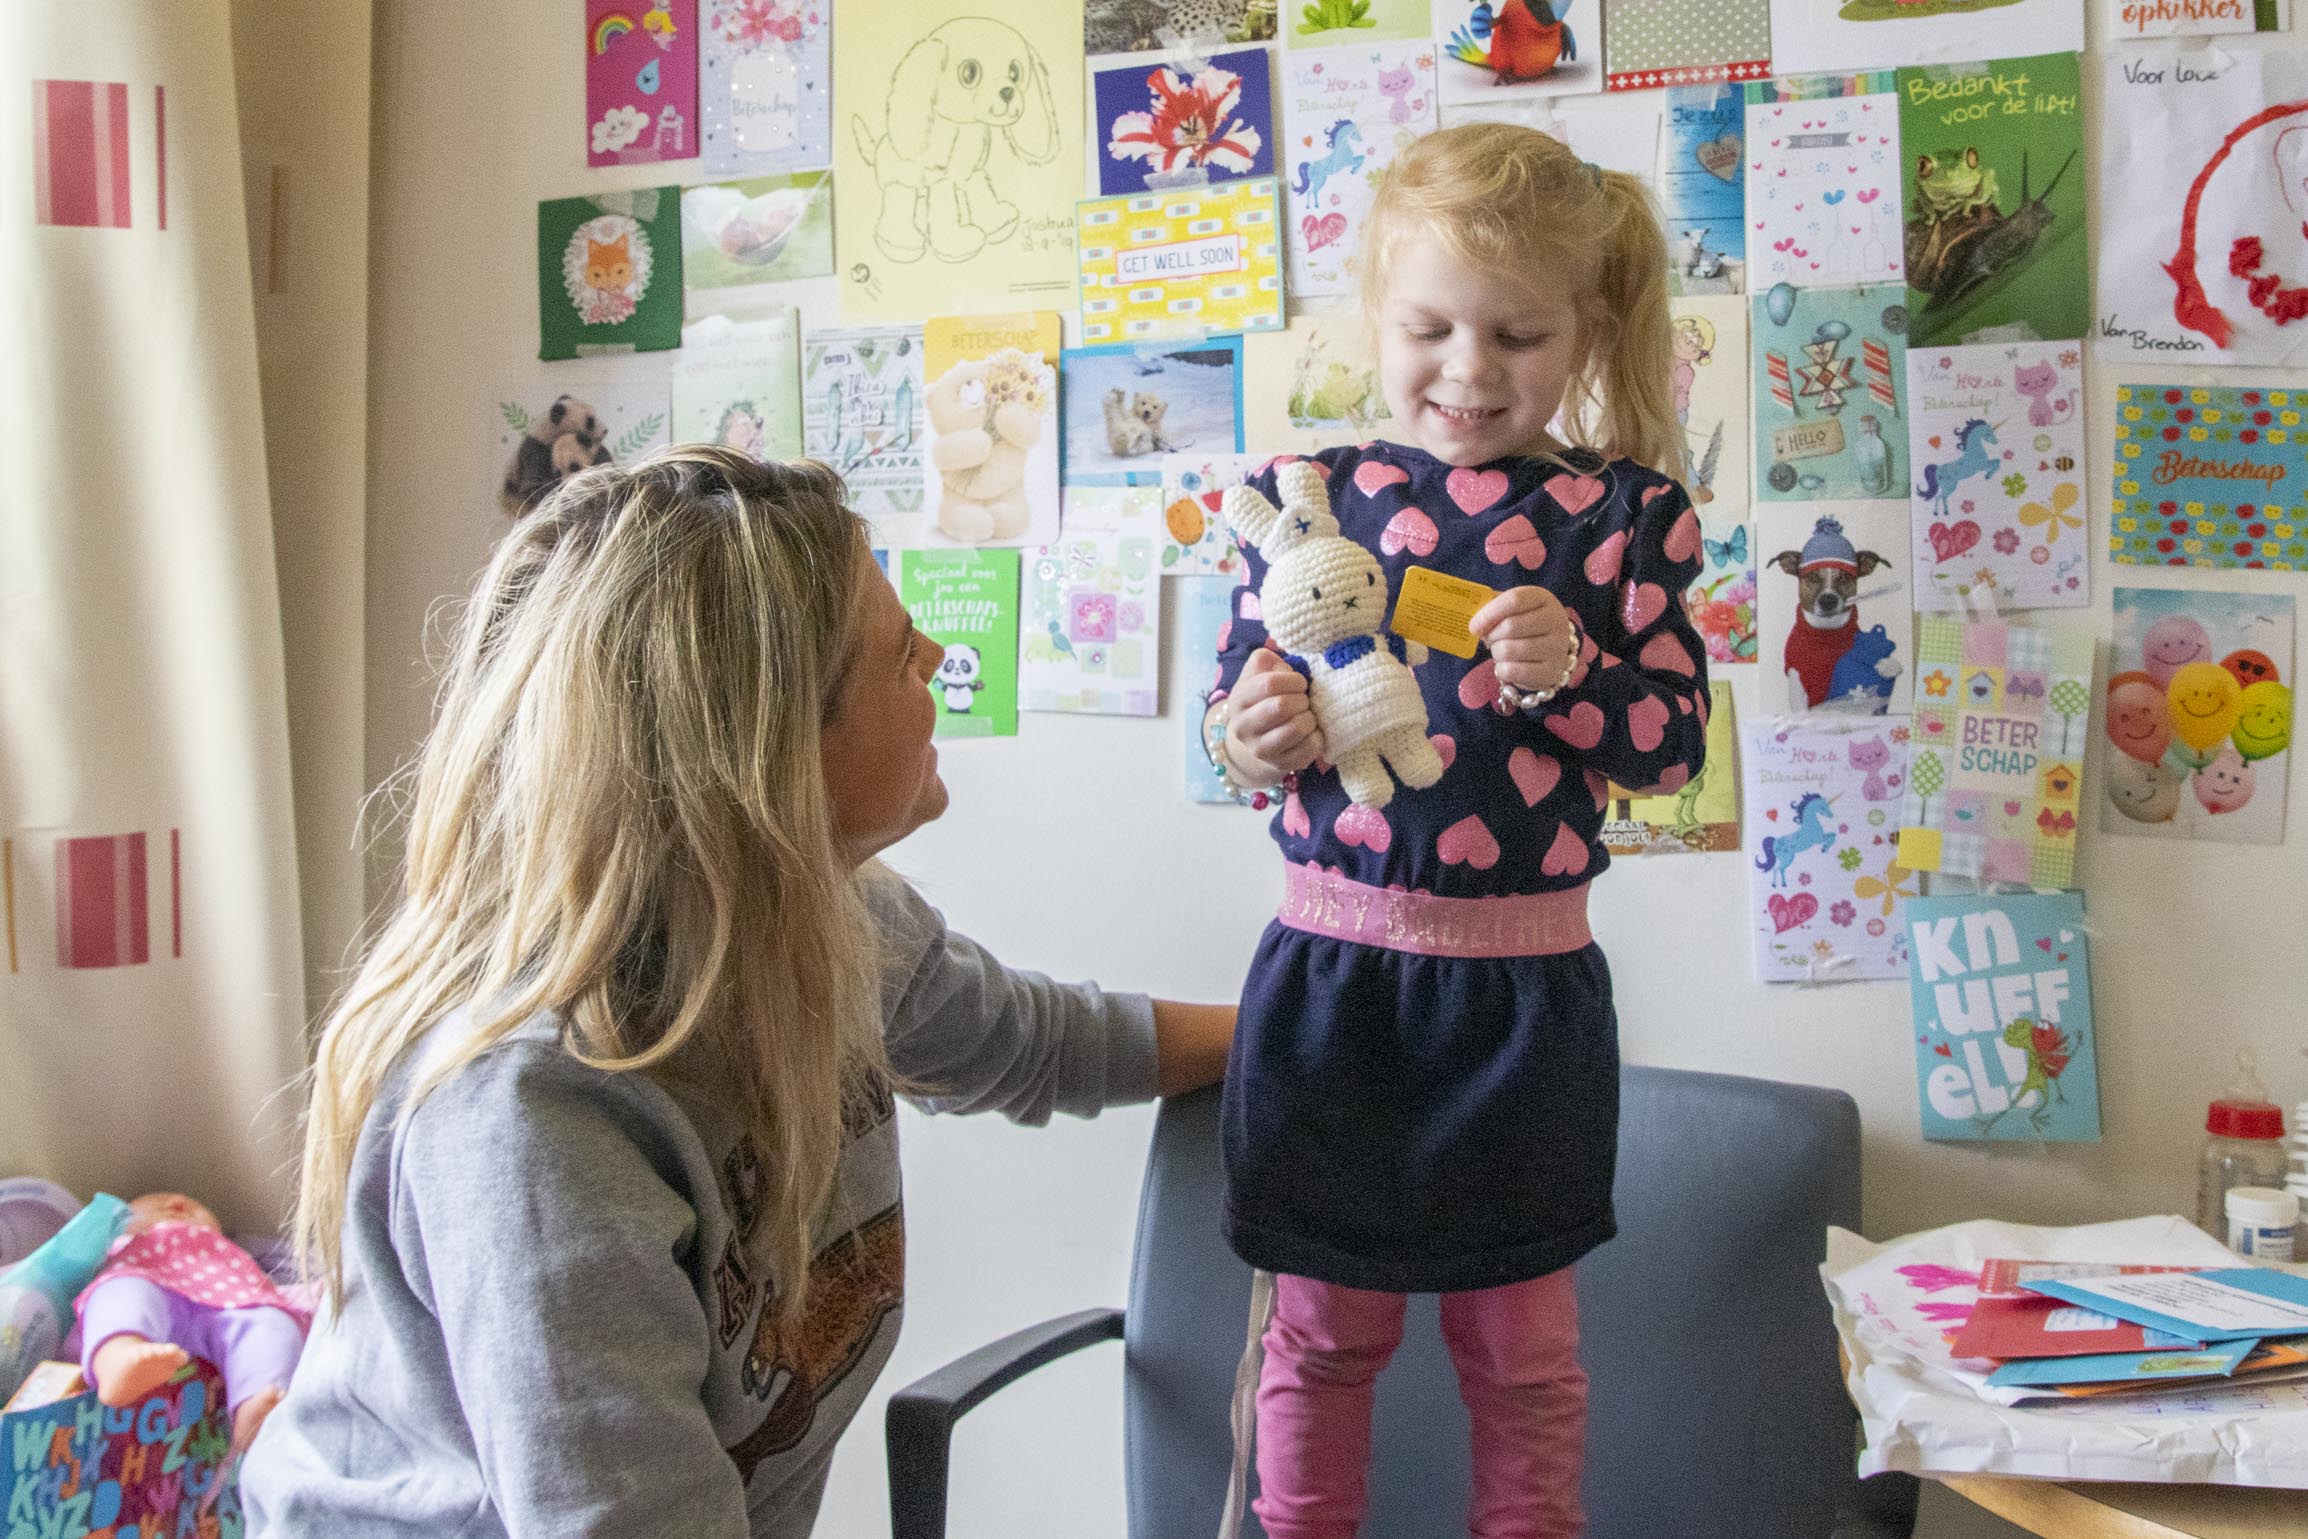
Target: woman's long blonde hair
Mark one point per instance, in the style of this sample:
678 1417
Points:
620 817
1518 201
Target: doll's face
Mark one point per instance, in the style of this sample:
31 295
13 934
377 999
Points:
168 1208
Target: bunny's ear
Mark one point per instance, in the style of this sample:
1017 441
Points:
1251 516
1305 503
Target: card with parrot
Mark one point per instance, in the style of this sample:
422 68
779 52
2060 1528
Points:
861 413
1825 885
2199 713
1488 50
2004 1046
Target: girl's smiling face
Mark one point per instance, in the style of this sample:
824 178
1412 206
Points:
1473 365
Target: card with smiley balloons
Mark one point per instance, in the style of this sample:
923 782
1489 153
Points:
2199 713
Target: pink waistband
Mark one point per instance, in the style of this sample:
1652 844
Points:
1533 924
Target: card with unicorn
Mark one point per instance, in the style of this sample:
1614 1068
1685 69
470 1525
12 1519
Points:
1824 881
1996 493
1346 113
1494 50
2199 711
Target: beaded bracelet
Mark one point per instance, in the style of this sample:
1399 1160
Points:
1513 700
1214 745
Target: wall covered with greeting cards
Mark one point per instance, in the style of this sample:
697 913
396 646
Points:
2015 346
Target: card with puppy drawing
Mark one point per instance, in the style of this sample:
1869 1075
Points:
1127 406
1182 264
1834 624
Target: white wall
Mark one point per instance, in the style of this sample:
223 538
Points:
1070 850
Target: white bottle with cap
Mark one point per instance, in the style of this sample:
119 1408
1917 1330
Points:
2262 1222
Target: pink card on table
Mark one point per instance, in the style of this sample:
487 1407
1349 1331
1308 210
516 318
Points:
640 81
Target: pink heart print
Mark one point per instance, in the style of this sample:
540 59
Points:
1787 913
1295 822
1582 728
1320 232
1682 542
1647 723
1249 605
1949 541
1446 747
1664 651
1575 493
1534 774
1676 778
1365 826
1475 490
1599 787
1567 856
1409 530
1603 563
1644 602
1653 495
1468 842
1516 543
1479 688
1374 476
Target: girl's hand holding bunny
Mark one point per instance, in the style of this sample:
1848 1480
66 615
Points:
1270 727
1533 640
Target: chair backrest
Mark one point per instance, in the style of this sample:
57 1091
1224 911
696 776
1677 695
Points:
1716 1407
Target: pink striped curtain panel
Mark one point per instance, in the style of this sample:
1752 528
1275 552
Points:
150 966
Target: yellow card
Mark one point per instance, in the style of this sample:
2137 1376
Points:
1434 609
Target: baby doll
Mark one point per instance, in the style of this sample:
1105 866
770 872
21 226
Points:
174 1288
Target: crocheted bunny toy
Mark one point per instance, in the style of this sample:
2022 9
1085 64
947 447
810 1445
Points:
1324 599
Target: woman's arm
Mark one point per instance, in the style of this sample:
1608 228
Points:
1190 1045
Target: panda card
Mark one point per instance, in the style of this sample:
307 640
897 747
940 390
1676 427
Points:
967 602
1833 618
553 428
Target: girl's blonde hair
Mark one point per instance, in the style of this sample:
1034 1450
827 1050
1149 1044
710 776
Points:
1517 201
620 816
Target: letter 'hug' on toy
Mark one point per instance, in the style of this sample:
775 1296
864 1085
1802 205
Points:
1324 599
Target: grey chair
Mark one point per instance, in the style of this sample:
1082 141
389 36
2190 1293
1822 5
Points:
1716 1407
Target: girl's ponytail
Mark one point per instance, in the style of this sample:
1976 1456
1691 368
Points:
1629 370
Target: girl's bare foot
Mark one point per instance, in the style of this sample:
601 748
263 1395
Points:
128 1368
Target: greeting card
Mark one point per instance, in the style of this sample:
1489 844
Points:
967 602
1516 48
609 273
1322 23
1196 539
992 413
1185 263
1830 365
1824 879
1126 26
1702 184
1183 122
2003 1017
1128 406
1710 390
1205 610
766 230
958 158
861 413
1823 190
2199 711
763 94
2201 256
1703 815
549 429
1674 43
640 82
1995 200
1879 34
2132 19
1832 615
1092 621
1997 773
1996 438
2210 475
738 383
1346 113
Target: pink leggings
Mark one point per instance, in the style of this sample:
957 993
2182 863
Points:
1517 1353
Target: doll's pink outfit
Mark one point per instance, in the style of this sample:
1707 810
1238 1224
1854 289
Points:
191 1287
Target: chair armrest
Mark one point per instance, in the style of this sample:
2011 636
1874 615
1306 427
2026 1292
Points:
919 1427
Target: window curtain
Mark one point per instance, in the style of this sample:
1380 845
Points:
151 984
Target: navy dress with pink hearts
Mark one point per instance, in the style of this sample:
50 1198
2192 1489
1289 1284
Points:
1400 1114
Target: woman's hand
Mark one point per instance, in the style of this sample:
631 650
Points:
1270 727
1190 1045
1531 636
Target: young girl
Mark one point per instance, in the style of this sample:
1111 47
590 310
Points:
601 1171
1423 1094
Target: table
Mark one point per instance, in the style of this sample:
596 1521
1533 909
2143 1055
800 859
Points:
2115 1510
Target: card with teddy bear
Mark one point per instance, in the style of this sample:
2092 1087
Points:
992 412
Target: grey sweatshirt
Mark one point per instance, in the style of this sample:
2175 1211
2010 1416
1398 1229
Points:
552 1325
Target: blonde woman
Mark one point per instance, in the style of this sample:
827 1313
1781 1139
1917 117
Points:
601 1172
